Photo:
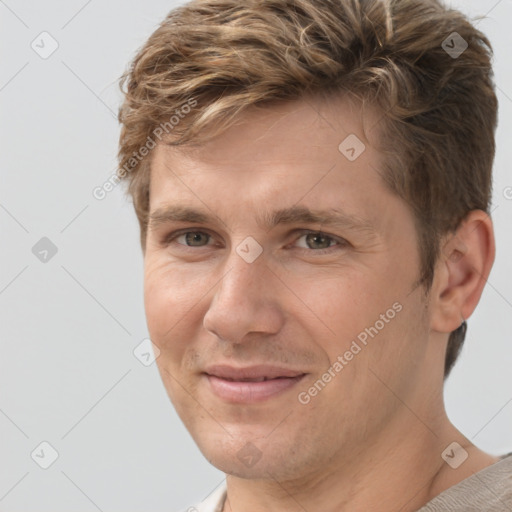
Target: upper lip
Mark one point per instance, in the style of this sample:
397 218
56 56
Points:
251 372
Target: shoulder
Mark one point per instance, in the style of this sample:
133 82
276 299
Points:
489 490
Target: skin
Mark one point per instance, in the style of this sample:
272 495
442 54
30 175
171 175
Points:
372 438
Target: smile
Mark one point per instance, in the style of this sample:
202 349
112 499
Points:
250 390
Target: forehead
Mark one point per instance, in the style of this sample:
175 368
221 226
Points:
295 130
310 152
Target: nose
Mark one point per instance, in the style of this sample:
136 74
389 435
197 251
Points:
244 302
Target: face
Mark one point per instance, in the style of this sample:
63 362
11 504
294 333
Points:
276 252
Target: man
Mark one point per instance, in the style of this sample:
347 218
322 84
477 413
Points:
312 181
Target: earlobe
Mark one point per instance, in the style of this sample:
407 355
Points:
462 271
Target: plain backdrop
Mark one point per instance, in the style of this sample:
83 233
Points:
71 277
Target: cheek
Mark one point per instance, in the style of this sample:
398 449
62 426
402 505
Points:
172 299
343 305
366 315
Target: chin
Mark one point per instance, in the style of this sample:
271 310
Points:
250 457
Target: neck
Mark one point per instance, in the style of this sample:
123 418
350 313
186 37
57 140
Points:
401 470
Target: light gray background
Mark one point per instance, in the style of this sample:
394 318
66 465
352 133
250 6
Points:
69 326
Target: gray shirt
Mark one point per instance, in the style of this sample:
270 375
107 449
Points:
489 490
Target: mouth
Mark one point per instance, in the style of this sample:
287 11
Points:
260 379
251 385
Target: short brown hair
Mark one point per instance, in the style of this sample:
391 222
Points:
438 106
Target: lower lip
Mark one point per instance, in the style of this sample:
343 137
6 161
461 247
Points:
251 392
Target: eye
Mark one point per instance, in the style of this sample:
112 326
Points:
318 242
311 241
190 238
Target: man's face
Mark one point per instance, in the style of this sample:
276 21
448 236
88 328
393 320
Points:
286 299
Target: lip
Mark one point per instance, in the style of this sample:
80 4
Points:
227 382
251 372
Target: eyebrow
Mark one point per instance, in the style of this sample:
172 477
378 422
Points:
333 217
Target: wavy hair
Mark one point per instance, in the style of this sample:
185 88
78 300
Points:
439 108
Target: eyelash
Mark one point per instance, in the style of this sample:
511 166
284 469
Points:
340 242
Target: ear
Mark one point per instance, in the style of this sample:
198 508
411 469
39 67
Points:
462 271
